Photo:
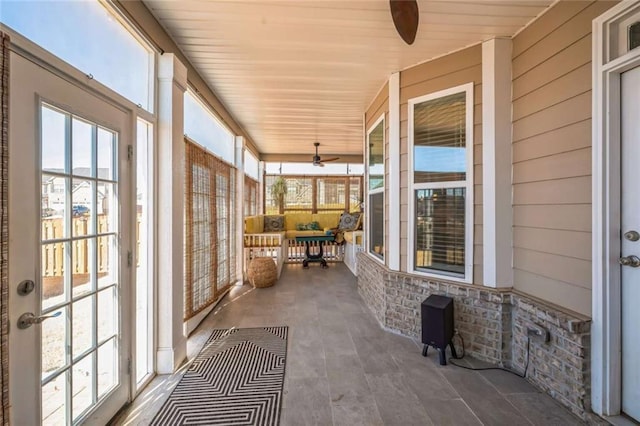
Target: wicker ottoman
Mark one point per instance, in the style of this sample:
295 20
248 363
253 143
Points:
262 272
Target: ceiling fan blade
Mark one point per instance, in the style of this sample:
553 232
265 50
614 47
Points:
405 16
330 159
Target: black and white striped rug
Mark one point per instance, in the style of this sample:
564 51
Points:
236 379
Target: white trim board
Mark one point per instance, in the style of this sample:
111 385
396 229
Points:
497 209
393 186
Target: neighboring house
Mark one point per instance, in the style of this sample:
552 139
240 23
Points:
54 195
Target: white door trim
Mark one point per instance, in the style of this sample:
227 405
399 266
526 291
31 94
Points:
607 66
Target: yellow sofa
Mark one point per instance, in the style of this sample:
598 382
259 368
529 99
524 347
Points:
326 221
275 244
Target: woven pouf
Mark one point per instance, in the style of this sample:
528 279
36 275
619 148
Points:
262 272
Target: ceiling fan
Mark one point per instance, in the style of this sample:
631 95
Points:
317 161
405 16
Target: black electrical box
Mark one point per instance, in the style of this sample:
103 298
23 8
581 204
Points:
437 325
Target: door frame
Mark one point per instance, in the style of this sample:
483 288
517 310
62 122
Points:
20 45
607 66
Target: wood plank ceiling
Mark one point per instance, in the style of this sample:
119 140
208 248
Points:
293 72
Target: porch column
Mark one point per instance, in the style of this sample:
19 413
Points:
172 343
239 213
496 163
393 185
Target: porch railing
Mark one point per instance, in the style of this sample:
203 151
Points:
332 252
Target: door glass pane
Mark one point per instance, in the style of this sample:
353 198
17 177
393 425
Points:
106 207
82 266
82 207
53 210
79 256
54 396
82 327
107 273
54 137
54 347
107 367
82 390
82 147
106 147
106 314
53 265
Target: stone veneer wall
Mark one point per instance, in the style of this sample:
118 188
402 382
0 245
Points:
493 324
561 367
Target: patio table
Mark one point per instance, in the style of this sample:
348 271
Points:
317 257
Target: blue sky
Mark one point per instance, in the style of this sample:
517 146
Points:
440 159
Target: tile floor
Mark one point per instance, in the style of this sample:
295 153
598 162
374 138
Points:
344 369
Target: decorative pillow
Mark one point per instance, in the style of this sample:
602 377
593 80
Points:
273 223
311 226
349 221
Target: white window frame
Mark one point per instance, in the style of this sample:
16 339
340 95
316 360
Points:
467 184
382 260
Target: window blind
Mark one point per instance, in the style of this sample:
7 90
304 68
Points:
209 229
250 196
440 139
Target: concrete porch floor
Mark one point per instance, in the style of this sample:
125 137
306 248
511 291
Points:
344 369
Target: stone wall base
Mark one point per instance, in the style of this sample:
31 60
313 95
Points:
494 325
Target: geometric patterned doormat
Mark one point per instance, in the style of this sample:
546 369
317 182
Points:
236 379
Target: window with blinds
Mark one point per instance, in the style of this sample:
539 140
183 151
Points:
441 182
210 252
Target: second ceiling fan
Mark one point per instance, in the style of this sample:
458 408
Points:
317 161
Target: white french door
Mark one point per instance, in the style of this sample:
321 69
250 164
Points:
70 234
630 242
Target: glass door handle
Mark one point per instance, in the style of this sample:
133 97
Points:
27 319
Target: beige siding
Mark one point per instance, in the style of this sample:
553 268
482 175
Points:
552 155
452 70
379 106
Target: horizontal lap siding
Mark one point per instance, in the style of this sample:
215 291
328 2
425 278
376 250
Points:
449 71
378 107
552 155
